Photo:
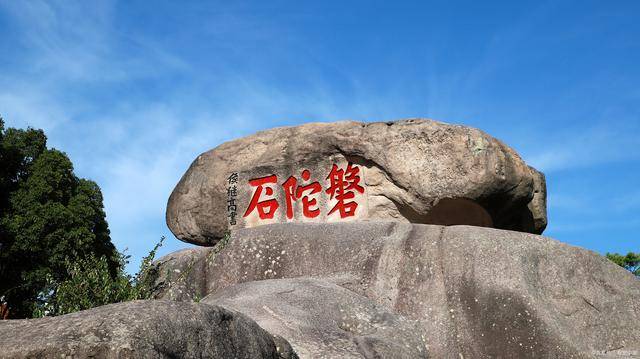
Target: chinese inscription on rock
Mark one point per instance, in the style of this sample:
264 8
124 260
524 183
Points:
232 193
336 194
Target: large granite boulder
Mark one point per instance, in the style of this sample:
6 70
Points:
417 171
142 329
475 292
323 320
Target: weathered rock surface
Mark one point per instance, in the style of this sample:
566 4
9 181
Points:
478 292
182 275
417 171
323 320
141 329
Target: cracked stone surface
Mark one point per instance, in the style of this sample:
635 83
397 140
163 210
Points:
142 329
418 171
478 292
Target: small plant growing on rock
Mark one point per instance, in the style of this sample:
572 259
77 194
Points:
169 285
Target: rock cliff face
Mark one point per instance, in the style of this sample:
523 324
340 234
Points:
471 291
417 171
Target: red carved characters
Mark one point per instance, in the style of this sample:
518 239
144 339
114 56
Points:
293 193
343 183
312 188
290 194
271 204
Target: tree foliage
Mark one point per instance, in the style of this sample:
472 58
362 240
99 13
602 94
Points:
630 262
49 218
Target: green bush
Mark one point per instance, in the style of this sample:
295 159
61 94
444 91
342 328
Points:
90 284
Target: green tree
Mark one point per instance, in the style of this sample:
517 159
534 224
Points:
630 262
48 219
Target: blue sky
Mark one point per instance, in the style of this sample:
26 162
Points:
133 91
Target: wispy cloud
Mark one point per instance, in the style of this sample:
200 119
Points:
134 106
137 146
135 149
586 146
70 40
